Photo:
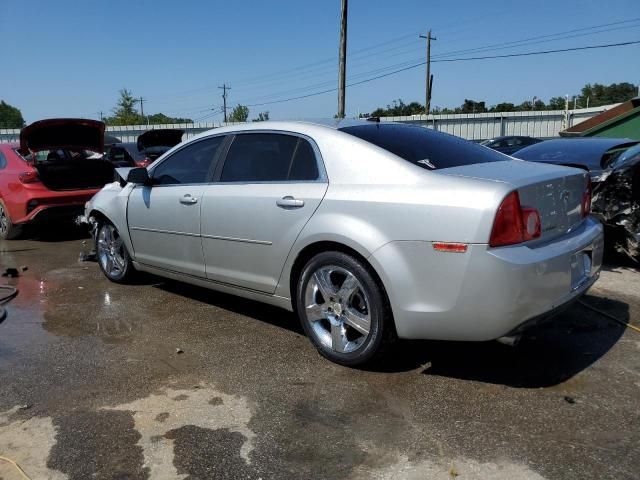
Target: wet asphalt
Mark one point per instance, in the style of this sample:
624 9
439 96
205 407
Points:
165 380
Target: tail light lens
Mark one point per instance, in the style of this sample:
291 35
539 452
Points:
29 177
513 223
585 206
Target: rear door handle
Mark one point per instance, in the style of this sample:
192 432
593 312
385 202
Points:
187 199
289 202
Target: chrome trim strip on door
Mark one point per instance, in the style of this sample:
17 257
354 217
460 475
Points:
214 237
233 239
170 232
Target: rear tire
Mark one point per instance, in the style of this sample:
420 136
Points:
8 231
112 255
343 309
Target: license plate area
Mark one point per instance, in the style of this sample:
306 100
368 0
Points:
581 268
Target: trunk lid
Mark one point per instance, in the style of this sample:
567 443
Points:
556 192
63 133
165 137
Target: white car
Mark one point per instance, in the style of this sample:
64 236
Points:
368 231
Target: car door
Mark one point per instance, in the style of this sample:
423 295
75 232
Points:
164 218
266 191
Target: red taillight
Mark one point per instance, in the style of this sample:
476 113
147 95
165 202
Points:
29 177
514 224
585 206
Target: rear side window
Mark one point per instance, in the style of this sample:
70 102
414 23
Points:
3 160
424 147
269 157
191 164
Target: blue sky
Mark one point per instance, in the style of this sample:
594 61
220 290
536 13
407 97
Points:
70 58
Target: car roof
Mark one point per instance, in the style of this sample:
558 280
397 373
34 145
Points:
586 151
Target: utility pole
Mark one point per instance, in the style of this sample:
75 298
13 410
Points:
101 117
224 99
429 77
142 109
343 59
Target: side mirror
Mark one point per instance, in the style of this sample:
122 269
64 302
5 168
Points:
139 176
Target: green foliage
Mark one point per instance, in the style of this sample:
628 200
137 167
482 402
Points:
162 119
125 113
556 103
598 95
239 114
10 116
396 109
262 117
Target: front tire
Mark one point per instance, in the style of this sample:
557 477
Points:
8 231
343 309
113 258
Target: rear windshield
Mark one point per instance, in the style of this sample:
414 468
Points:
424 147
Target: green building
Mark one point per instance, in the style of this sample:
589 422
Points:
621 121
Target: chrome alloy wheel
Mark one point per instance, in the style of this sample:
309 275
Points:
4 222
110 250
337 308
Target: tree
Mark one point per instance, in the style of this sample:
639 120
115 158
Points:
239 114
471 106
599 94
556 103
10 116
125 113
162 119
262 117
503 107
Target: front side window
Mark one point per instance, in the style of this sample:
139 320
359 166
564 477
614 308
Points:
269 157
191 164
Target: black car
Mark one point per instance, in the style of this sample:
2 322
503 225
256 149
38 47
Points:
149 146
614 167
509 145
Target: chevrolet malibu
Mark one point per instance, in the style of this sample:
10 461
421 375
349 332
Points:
368 231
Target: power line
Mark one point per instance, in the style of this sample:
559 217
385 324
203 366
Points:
416 65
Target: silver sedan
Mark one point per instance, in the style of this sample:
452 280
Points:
368 231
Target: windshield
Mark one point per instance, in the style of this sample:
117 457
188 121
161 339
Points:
424 147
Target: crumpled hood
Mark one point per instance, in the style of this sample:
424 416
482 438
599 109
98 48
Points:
66 133
165 137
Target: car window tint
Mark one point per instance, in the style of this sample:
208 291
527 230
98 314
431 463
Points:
423 146
259 157
190 164
304 165
3 160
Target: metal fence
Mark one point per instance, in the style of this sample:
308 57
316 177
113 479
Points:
473 126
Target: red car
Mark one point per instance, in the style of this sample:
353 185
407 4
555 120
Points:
51 173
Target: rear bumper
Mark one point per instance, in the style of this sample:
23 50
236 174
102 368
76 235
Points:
486 293
41 204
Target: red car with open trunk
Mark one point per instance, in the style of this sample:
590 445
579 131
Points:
51 173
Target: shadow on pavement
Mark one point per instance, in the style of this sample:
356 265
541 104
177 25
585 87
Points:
58 232
249 308
547 355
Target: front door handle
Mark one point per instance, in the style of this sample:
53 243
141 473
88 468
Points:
289 202
187 199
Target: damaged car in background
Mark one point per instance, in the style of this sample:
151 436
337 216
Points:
368 231
614 167
149 146
51 173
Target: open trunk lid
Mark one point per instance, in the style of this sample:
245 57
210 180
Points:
165 137
556 192
63 133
